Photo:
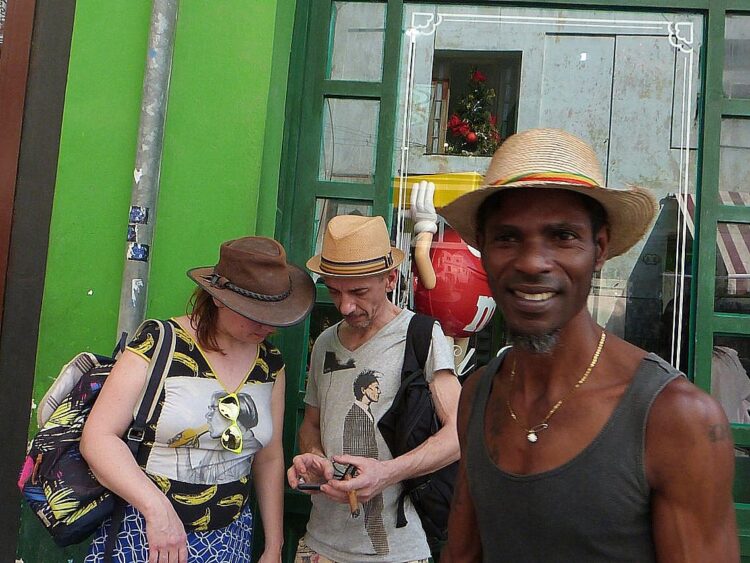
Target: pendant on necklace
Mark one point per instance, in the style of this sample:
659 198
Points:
532 437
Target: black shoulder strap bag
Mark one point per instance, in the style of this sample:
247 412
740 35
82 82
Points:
409 421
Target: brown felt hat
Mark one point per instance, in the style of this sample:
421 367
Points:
254 279
355 246
555 159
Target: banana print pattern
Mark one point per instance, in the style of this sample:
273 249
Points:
198 498
145 346
235 500
185 337
201 506
261 363
201 524
187 360
162 482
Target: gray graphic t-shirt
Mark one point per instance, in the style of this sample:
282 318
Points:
353 389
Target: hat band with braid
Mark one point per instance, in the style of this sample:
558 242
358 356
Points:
223 283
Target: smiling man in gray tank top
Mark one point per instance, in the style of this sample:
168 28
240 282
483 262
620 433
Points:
576 445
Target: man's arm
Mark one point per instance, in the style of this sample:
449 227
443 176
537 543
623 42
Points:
690 467
311 465
464 543
309 433
437 451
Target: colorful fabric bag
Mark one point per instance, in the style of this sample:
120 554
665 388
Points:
55 480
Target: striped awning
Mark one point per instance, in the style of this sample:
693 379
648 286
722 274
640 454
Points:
732 240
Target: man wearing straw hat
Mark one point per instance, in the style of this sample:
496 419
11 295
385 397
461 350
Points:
576 445
355 371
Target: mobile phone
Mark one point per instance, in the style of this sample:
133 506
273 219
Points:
308 486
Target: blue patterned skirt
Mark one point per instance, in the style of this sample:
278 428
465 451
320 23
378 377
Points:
231 544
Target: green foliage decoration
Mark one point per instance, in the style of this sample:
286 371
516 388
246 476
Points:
472 127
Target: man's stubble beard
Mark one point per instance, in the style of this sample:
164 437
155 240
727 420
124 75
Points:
536 343
360 324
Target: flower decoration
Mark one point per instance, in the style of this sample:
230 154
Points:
478 76
472 126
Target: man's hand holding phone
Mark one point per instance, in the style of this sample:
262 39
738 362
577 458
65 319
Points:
308 472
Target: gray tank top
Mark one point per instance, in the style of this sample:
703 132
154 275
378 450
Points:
594 508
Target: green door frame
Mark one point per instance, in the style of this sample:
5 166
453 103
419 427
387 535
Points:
308 86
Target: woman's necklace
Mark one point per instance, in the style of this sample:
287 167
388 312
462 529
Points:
532 434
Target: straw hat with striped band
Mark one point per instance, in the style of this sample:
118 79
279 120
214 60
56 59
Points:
552 158
355 246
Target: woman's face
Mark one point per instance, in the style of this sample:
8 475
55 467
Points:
240 328
216 422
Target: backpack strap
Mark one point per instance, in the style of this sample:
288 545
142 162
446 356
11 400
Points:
120 346
418 341
157 371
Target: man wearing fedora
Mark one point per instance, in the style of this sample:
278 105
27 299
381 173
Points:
359 267
576 445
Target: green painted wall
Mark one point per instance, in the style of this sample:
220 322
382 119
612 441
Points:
219 176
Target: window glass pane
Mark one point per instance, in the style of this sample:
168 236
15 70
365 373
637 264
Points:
734 171
741 490
732 267
730 384
350 135
358 33
628 83
737 57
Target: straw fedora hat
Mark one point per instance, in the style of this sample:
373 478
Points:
355 246
253 279
552 158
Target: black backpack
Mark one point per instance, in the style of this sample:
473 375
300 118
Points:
409 421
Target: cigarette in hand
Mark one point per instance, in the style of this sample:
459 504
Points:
353 502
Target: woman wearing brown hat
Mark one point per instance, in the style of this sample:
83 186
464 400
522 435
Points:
220 414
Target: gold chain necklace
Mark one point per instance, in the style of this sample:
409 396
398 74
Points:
532 434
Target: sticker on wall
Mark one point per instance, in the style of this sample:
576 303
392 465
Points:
136 286
138 252
132 233
138 214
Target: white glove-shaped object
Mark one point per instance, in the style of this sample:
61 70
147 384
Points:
422 208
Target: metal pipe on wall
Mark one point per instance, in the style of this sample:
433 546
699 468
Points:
142 213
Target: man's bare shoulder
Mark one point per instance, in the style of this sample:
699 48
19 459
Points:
685 422
683 406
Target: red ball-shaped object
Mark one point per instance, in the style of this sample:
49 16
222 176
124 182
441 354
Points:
461 299
471 137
